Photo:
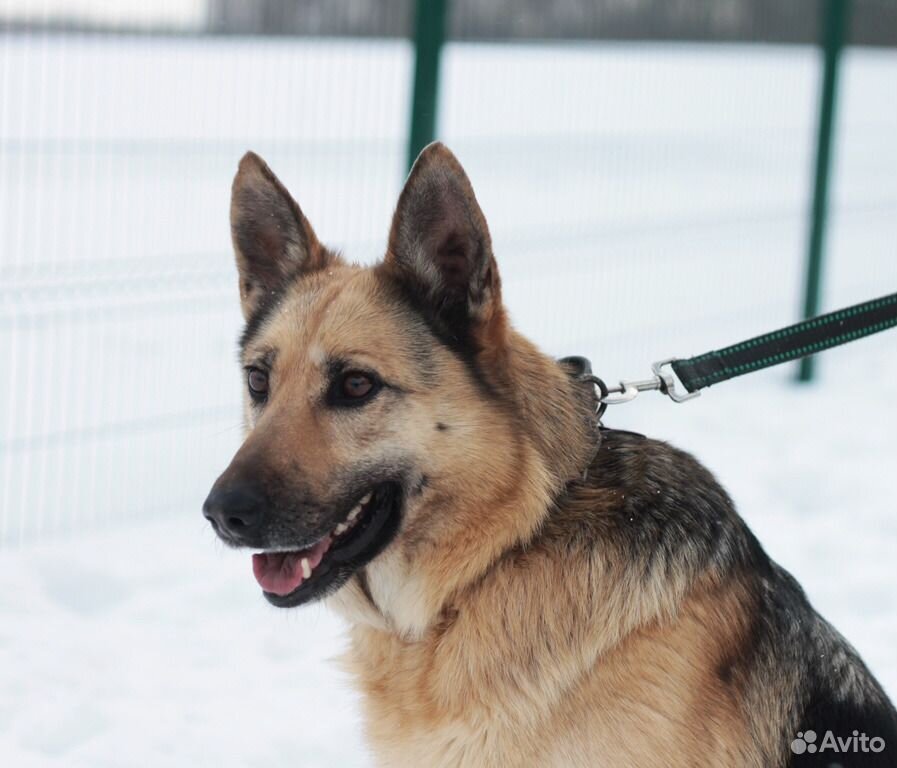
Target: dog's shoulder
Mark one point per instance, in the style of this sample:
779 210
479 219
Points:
656 502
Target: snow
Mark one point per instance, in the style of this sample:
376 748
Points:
645 200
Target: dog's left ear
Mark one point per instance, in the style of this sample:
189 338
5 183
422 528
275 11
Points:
440 247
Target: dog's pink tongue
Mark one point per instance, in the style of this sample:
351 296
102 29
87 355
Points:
281 572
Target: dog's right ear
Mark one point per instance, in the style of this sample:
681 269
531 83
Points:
273 241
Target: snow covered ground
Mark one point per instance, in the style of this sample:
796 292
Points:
645 201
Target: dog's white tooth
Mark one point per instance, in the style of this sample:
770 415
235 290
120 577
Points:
366 499
306 568
341 528
355 512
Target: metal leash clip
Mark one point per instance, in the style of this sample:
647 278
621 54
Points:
662 381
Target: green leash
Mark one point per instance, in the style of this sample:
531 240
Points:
799 340
791 343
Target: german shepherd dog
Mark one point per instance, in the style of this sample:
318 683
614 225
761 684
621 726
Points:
523 588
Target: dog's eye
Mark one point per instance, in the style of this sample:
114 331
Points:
353 388
257 380
356 385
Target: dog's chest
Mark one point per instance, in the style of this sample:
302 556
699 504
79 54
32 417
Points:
418 712
400 738
429 704
406 741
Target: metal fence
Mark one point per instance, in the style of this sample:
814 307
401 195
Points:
608 172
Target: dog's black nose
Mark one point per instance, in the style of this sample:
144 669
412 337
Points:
235 513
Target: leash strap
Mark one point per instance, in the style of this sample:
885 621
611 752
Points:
798 340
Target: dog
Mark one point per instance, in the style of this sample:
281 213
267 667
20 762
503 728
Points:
523 587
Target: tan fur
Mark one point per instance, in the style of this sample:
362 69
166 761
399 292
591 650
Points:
559 660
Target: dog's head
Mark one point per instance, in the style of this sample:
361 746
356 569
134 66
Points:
388 444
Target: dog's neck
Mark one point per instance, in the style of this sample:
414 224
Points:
558 410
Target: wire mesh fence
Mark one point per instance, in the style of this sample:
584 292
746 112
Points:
119 318
645 200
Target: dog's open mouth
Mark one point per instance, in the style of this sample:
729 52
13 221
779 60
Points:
289 578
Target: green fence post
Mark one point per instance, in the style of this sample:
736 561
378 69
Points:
835 30
429 35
